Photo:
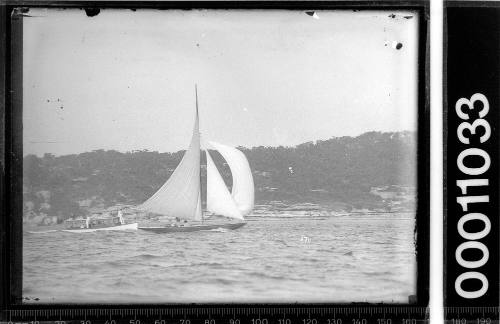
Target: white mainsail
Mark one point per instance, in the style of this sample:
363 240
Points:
180 195
243 186
219 200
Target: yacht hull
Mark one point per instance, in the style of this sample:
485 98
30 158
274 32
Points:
192 228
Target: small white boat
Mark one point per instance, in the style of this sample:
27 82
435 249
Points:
42 232
98 224
124 227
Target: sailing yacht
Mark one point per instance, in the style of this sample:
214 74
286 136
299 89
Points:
180 196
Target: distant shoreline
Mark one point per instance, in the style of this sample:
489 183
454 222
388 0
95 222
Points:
40 155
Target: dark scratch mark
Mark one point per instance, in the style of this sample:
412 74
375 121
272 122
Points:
20 12
392 16
408 17
310 13
91 12
133 9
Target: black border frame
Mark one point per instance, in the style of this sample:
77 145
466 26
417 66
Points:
453 305
11 121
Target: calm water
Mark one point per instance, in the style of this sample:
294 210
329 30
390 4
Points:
349 258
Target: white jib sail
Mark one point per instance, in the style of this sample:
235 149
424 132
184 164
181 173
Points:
243 187
179 196
219 200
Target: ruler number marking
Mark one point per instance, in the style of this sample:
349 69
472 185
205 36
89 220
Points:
359 321
309 321
334 321
384 321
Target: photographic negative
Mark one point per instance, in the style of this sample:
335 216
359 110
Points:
220 156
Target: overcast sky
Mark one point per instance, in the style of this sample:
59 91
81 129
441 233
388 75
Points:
125 80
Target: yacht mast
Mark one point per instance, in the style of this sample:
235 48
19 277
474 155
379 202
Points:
197 116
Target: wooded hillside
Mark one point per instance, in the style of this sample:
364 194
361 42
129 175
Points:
343 170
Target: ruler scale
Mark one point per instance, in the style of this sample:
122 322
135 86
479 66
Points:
245 315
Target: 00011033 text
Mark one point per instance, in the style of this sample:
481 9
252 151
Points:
474 127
